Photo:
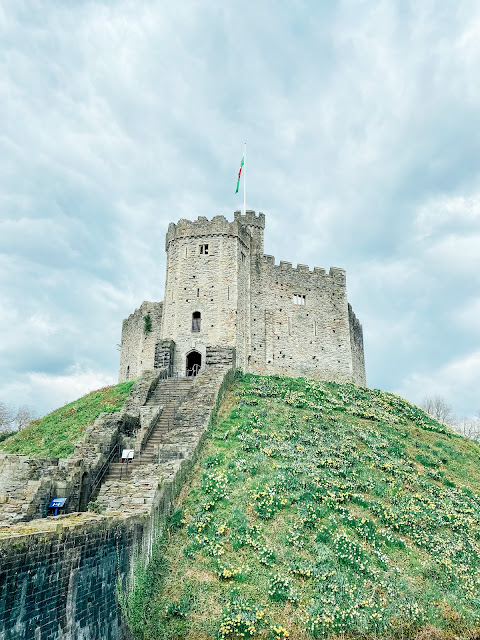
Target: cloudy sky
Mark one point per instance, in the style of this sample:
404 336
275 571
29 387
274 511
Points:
362 120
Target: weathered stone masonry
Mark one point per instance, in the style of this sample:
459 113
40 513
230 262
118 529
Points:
281 320
62 583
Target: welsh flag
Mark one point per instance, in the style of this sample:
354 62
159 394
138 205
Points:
240 172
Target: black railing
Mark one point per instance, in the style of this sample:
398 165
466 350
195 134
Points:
148 433
191 373
113 453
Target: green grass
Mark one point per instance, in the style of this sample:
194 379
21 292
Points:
320 510
57 433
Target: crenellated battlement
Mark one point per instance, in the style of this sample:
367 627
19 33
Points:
250 218
145 308
335 273
202 226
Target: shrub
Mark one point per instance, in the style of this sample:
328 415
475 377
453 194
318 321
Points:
147 324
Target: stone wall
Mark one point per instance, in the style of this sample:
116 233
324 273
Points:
358 354
137 347
255 226
61 583
164 354
221 355
300 321
280 320
26 485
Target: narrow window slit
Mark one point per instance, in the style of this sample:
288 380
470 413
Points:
196 321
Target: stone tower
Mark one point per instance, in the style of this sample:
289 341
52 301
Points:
224 296
207 288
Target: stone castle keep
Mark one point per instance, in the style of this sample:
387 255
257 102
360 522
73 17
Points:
226 301
226 305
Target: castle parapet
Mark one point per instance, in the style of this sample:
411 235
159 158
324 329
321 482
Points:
338 275
335 273
255 225
250 218
204 227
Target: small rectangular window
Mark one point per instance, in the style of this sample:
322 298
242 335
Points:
299 299
204 249
198 293
196 321
243 256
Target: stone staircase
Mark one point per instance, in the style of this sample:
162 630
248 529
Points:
169 395
133 486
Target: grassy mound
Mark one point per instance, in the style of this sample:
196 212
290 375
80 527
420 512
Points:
57 433
320 510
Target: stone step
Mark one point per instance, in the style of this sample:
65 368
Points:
119 474
173 393
172 387
156 400
168 393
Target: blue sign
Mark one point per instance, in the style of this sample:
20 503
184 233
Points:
57 502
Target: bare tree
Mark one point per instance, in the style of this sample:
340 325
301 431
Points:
438 408
6 417
25 414
468 427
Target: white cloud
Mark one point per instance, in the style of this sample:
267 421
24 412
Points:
453 381
446 211
454 254
52 391
466 318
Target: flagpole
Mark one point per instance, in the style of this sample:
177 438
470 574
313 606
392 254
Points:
245 181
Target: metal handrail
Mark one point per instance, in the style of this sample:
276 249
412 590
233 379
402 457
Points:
171 420
149 432
114 450
125 466
191 373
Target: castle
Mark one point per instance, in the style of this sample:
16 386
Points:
226 301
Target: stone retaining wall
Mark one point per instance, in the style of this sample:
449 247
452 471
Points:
63 583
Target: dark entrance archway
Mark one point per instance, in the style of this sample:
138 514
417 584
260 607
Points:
194 362
84 492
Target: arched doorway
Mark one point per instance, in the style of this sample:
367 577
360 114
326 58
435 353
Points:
194 362
84 492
